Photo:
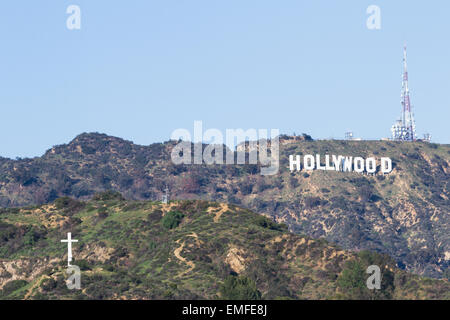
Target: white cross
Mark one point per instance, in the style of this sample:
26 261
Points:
69 247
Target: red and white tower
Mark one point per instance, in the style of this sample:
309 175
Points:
405 128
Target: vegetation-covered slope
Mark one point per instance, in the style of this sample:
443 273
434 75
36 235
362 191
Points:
404 214
183 250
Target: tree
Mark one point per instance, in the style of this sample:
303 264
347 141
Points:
352 281
172 219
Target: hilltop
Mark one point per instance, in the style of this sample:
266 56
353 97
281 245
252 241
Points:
404 214
183 250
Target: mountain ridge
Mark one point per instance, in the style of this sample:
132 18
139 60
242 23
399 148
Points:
404 214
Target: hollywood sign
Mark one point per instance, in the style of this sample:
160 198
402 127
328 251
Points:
339 163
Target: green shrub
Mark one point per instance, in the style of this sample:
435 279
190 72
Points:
268 224
172 219
68 205
12 286
82 264
48 284
352 280
239 288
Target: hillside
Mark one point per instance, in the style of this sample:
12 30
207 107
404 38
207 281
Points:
183 250
404 214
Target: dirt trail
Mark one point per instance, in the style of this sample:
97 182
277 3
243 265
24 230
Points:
223 208
36 284
197 240
177 252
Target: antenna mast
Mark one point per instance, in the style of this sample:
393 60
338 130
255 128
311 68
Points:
405 128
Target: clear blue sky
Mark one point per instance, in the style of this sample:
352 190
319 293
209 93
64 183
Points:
140 69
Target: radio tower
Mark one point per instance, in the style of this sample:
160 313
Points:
165 197
405 128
